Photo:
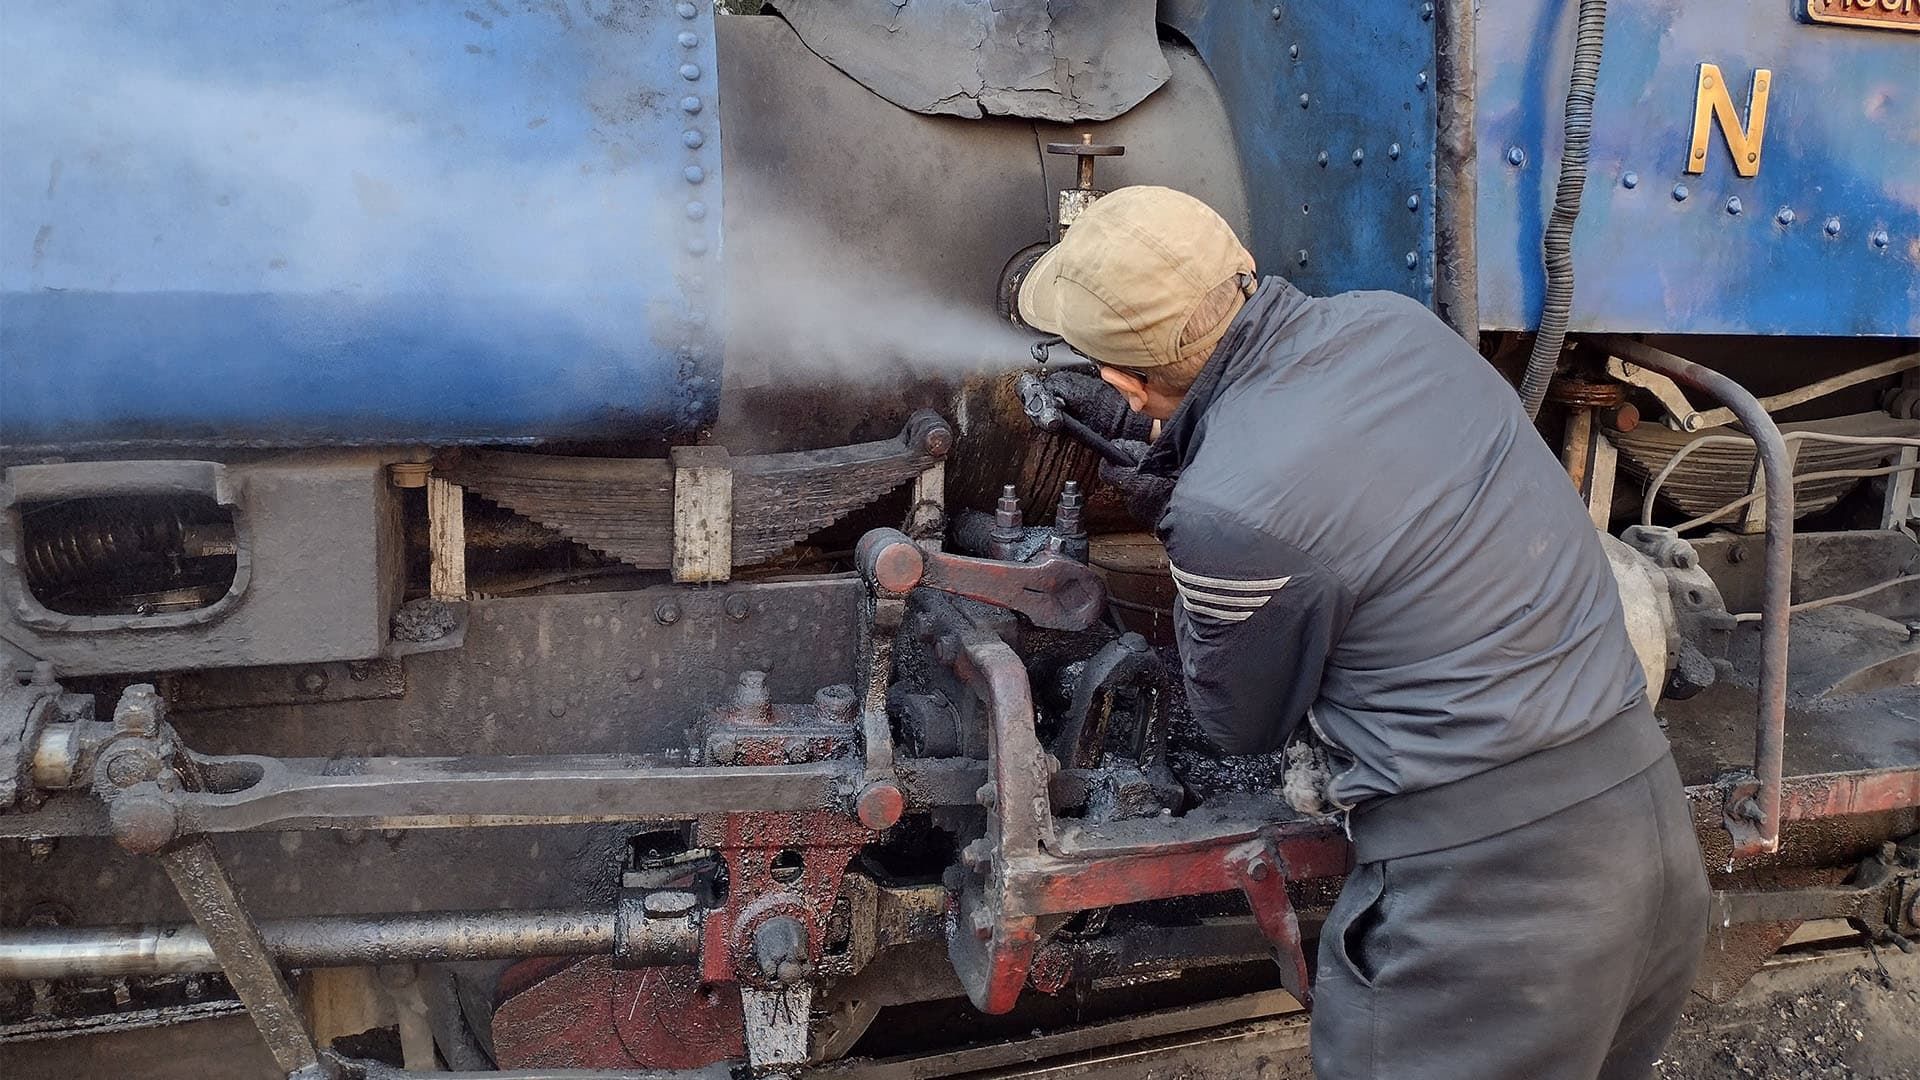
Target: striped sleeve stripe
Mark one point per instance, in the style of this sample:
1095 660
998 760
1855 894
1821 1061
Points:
1221 599
1201 581
1227 616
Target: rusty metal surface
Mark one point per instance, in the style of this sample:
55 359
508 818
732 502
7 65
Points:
592 1015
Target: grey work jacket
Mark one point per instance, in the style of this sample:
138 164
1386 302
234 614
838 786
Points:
1367 532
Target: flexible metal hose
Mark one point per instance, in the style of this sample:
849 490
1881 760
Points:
1557 244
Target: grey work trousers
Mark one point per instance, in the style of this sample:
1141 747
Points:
1560 950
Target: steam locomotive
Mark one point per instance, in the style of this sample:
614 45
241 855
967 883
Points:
522 550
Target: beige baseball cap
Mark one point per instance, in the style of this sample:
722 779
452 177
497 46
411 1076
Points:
1129 275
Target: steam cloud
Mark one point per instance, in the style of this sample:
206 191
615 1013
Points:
338 180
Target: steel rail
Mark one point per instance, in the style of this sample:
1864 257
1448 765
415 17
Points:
1753 809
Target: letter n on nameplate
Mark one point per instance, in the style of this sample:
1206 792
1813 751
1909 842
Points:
702 513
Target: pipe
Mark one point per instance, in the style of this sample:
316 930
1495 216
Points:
1456 195
1753 822
321 941
1557 243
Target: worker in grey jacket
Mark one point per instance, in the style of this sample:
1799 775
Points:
1370 543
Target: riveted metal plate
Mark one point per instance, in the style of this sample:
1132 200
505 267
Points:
1824 239
1333 110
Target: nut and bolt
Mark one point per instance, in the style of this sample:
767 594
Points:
836 704
1006 512
1630 181
986 795
1516 156
737 607
1322 158
1066 518
666 613
1259 870
1733 205
1413 259
1880 238
1833 226
1785 216
312 680
1359 155
1680 193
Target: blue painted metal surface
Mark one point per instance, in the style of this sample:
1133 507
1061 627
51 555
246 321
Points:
277 223
1332 108
1842 146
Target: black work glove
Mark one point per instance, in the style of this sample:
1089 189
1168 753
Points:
1146 495
1098 405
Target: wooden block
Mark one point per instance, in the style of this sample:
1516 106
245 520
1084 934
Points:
702 513
447 539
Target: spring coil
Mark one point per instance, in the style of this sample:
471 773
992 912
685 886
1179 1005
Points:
73 548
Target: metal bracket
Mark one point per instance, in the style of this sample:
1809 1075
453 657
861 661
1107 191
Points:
1052 590
702 513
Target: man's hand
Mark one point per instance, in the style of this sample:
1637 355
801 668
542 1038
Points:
1146 495
1098 405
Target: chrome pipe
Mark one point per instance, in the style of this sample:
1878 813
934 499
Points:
324 941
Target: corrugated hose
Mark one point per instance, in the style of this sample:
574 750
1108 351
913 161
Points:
1557 244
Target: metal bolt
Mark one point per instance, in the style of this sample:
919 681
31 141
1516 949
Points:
1707 82
691 104
723 749
1516 156
1630 181
694 174
1420 80
1275 12
1393 151
986 795
1293 52
557 709
1733 205
1785 216
737 607
1302 256
1359 155
1259 870
690 72
666 613
688 39
1426 12
1833 226
1413 202
696 210
1304 101
796 753
1679 193
312 680
692 139
686 11
1413 259
1880 238
1323 158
